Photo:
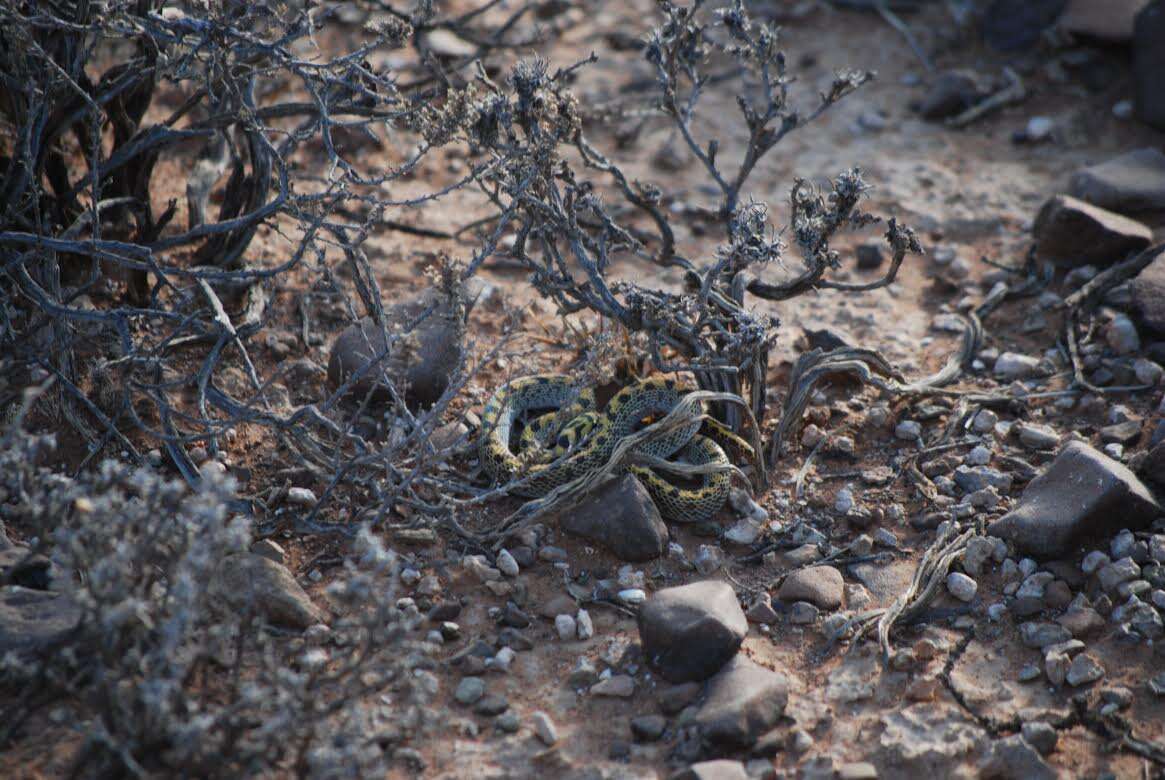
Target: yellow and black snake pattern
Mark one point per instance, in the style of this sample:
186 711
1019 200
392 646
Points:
560 436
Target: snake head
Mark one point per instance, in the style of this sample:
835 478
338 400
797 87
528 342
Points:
577 430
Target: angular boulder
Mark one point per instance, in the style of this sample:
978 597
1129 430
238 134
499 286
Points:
622 518
743 701
1083 493
1132 182
691 631
1072 233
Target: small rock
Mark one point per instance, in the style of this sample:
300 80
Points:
743 701
1118 572
908 430
1012 758
586 628
762 611
469 691
301 496
1040 635
1122 335
1131 182
720 769
1082 493
1037 437
803 613
819 585
492 705
566 627
1039 128
689 632
246 581
1042 736
1072 233
544 728
648 728
1084 669
622 518
961 586
869 257
506 564
620 686
952 93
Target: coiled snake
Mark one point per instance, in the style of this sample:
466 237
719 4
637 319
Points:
562 437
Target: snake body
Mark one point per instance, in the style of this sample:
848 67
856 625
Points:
560 436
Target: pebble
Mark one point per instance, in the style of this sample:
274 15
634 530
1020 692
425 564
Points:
1084 669
1039 128
301 496
1037 437
648 728
508 722
544 728
843 502
1011 366
506 564
709 558
620 685
1028 672
1094 561
908 430
984 421
469 690
566 626
492 705
802 613
979 456
586 628
1122 336
632 596
961 586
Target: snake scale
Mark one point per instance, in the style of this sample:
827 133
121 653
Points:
559 436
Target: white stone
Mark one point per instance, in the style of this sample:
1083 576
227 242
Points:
961 586
586 627
566 627
506 564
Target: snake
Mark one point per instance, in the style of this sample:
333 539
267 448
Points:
544 431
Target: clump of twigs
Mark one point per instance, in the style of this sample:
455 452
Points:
156 678
566 235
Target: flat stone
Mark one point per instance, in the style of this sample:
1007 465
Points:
743 701
689 632
31 619
1149 64
1132 182
1072 233
1083 493
622 518
925 736
822 586
420 362
1037 437
246 581
1148 295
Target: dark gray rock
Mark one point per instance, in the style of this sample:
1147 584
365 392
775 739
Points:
743 701
1012 758
1016 25
869 257
1153 467
819 585
1132 182
1149 64
19 567
622 518
722 769
952 93
1072 233
1148 294
420 361
30 619
1083 493
691 631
